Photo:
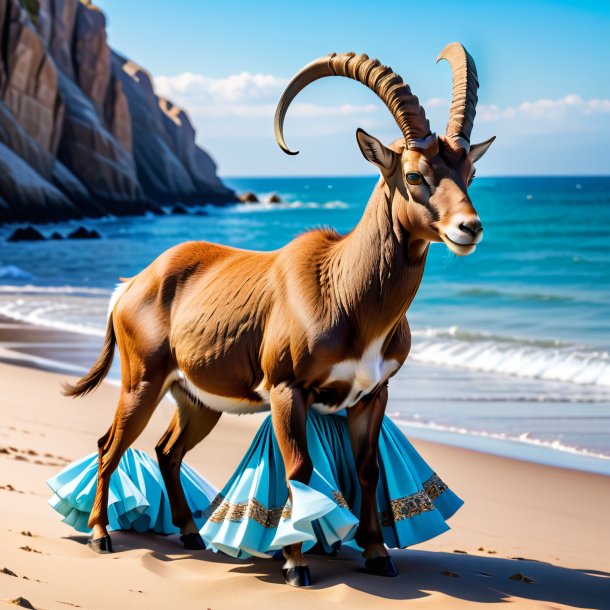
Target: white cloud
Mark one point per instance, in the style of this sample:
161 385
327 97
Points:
245 103
436 102
569 105
244 95
255 95
232 89
302 111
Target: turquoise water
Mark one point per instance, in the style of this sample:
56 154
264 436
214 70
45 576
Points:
511 345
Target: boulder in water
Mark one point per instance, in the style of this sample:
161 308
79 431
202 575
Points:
274 198
29 233
179 209
248 197
84 233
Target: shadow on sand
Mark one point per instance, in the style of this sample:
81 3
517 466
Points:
472 578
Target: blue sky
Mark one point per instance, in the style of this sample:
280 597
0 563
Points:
544 69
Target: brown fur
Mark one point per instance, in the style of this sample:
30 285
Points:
241 326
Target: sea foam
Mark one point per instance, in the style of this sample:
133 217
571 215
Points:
549 360
523 437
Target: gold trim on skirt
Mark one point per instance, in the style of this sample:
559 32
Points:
401 508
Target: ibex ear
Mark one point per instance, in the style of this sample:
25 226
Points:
374 151
478 150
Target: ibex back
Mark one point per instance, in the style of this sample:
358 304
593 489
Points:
319 323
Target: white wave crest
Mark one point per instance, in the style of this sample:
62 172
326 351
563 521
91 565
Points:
67 290
264 206
548 360
14 273
524 437
64 308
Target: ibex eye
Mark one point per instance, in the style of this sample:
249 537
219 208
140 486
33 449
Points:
414 178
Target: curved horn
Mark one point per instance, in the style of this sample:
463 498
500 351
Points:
464 101
388 86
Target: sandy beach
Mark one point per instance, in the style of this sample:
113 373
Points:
520 520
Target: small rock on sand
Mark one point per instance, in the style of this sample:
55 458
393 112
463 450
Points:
21 601
8 572
9 487
450 574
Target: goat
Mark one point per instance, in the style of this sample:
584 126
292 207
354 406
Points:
318 323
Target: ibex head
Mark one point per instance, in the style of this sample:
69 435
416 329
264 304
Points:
427 177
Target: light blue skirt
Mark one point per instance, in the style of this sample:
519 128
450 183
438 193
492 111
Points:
137 497
253 515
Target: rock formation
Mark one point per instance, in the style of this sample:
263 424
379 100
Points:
82 132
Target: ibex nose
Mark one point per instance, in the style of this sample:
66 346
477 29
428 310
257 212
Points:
466 229
471 226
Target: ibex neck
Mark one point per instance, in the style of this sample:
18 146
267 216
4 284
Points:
373 275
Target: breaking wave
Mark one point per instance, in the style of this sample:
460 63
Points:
80 310
525 437
264 206
533 359
83 310
13 272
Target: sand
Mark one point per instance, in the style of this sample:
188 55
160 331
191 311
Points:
547 524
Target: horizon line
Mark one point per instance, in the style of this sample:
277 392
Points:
310 176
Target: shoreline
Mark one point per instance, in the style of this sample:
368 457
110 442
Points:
547 524
64 351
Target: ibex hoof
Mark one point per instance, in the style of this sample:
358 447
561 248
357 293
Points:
193 542
381 566
102 545
297 577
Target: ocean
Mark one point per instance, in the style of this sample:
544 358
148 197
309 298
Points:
511 346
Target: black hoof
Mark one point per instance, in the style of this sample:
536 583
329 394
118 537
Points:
193 542
102 545
297 577
381 566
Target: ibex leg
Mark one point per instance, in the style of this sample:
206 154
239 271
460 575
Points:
364 423
190 425
135 407
289 416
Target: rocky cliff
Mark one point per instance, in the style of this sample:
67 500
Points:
82 132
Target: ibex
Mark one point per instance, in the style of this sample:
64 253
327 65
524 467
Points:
318 323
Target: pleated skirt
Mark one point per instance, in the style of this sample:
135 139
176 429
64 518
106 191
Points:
253 515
